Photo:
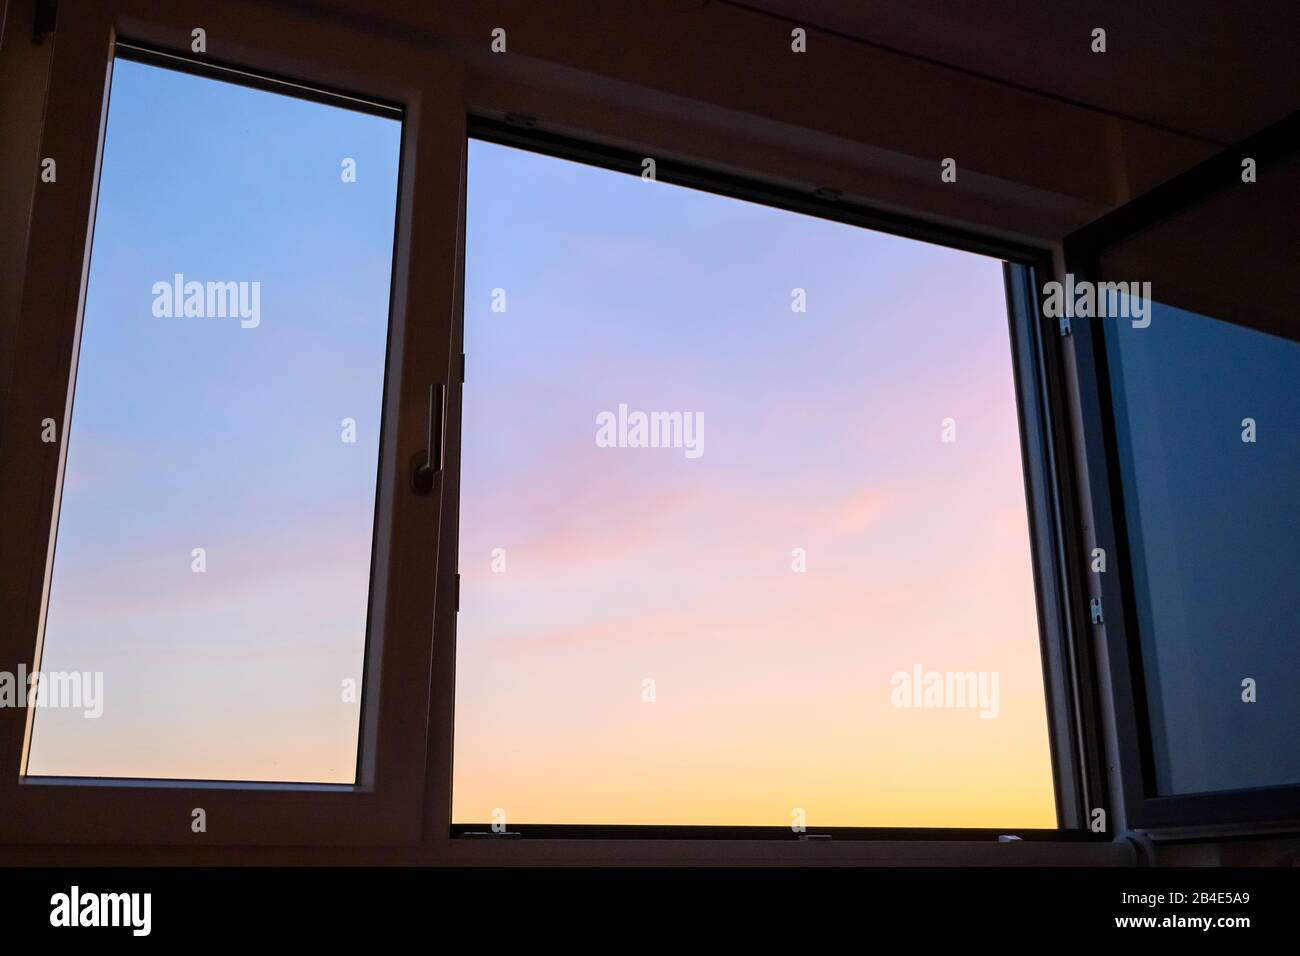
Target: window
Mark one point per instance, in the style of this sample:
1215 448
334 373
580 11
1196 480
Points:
212 570
1191 418
235 358
1209 451
834 605
743 529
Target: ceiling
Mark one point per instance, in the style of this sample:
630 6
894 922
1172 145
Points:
1214 69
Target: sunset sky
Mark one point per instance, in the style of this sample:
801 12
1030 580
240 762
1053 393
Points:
821 431
196 432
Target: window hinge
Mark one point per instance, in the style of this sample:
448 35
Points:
814 837
521 119
1065 326
1095 607
457 592
491 835
462 368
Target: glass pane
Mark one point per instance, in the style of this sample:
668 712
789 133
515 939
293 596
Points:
212 568
1209 452
801 591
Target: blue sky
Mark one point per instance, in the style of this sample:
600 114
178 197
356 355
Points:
195 432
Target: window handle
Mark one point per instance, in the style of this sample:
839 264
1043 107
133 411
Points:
428 463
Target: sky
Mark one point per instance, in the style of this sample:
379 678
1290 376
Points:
588 570
191 432
645 650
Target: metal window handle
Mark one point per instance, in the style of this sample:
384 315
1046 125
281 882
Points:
428 463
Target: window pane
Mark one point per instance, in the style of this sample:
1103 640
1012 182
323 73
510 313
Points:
815 596
1209 452
214 536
